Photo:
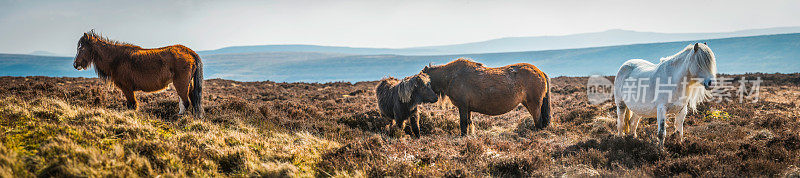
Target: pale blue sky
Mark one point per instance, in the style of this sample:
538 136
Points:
55 26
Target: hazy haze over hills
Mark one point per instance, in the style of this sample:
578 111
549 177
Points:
508 44
516 44
314 48
767 53
597 39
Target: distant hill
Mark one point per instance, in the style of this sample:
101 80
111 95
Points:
515 44
315 48
242 66
766 53
598 39
255 66
45 53
30 65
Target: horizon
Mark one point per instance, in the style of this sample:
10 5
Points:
53 54
734 54
54 26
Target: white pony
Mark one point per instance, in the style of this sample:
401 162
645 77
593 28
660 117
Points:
673 86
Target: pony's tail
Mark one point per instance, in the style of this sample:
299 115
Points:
196 94
544 117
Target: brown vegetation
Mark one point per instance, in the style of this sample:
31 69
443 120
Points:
78 126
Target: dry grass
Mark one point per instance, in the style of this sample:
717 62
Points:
79 127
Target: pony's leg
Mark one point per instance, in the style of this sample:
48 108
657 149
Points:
471 128
127 90
132 103
662 117
402 126
181 107
400 121
535 109
398 125
465 121
181 85
415 124
634 122
679 123
621 117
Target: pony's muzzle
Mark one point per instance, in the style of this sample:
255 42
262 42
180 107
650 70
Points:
75 64
432 100
708 84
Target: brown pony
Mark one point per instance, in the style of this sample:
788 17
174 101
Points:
492 91
133 68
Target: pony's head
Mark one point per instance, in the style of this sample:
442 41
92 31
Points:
417 89
86 52
436 73
442 74
702 64
702 68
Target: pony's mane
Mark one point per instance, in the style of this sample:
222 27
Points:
106 40
464 62
698 60
422 76
388 81
388 78
703 58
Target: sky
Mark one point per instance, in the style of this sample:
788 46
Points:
56 25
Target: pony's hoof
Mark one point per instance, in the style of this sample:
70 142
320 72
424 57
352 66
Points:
132 106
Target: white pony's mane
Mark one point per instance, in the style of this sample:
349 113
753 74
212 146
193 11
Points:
700 61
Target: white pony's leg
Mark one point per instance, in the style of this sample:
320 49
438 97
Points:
621 109
679 123
662 117
180 105
634 124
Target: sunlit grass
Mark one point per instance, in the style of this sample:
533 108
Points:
87 141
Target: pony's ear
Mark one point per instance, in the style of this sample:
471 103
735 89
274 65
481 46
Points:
696 47
705 43
404 90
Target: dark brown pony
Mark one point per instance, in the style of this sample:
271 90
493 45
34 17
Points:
492 91
398 100
133 68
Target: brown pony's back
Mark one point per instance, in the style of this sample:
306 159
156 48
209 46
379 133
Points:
495 91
